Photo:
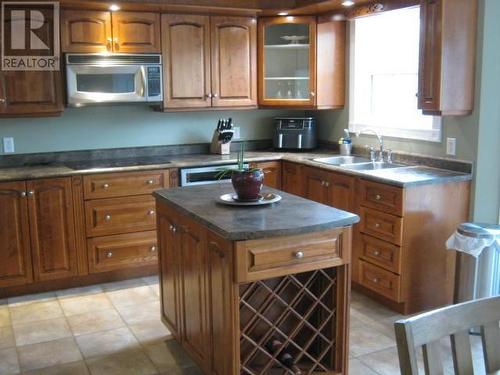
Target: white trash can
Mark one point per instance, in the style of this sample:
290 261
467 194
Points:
478 261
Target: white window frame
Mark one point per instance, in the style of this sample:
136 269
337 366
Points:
434 135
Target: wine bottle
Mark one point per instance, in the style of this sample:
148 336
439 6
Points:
285 358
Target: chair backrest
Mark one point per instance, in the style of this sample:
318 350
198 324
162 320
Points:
455 321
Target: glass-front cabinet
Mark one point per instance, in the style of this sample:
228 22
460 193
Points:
287 49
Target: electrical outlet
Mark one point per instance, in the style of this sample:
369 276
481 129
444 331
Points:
451 146
8 145
236 134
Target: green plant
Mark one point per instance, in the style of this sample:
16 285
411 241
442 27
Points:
241 164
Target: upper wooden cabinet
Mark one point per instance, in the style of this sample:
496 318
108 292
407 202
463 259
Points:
447 56
15 253
301 62
96 31
209 61
30 93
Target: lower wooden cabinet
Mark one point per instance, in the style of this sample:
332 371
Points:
52 227
272 173
291 178
15 253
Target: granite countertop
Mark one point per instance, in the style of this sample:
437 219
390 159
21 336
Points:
403 177
292 215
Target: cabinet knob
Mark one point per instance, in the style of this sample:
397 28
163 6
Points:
378 197
151 212
216 95
150 182
107 217
322 183
108 44
109 254
117 45
313 93
105 186
152 249
22 194
376 253
174 229
299 255
2 100
327 184
375 280
209 95
31 193
377 225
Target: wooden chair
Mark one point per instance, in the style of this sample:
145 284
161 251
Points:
428 328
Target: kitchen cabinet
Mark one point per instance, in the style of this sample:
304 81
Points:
209 61
302 62
292 178
15 249
98 31
330 188
52 228
30 93
272 173
447 56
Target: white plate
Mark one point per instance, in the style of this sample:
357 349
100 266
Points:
267 198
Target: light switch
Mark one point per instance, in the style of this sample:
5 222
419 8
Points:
451 146
236 134
8 145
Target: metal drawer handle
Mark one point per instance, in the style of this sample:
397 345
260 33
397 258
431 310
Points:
378 197
151 212
107 217
152 249
109 254
105 186
150 182
299 255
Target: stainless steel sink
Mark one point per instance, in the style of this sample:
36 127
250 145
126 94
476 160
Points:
339 160
371 166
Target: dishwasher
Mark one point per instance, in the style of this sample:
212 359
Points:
206 175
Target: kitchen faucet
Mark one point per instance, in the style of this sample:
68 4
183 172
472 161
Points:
380 141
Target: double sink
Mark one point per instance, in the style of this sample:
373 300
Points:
357 163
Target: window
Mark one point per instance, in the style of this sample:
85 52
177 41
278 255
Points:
384 77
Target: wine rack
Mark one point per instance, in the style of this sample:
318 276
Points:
299 312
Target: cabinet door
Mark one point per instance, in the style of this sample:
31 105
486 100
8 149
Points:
193 253
272 173
30 93
186 61
291 178
287 56
169 261
86 31
315 187
136 32
340 191
234 61
15 257
52 227
430 56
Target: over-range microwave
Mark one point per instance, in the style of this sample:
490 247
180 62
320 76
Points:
113 78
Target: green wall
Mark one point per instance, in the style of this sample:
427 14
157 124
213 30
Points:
129 126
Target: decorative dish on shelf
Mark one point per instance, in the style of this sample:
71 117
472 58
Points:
294 39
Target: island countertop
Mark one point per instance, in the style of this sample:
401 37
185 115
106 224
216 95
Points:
292 215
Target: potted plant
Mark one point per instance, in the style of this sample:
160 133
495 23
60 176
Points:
247 182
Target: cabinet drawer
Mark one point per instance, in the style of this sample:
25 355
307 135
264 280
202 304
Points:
261 259
379 280
381 253
382 197
120 215
122 251
381 225
123 184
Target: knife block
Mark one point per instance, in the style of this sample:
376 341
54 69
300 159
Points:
217 147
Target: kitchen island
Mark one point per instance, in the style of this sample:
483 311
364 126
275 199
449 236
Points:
261 290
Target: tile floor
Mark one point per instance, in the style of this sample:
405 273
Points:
114 328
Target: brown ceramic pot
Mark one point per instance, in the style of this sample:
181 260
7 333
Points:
247 184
